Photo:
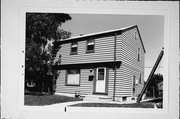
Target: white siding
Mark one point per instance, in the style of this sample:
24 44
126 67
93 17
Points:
103 52
127 50
86 87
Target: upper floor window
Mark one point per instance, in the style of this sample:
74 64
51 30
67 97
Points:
139 79
139 54
135 35
90 46
74 48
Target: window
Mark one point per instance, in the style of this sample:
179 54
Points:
134 81
134 84
73 77
135 35
90 46
139 54
74 47
140 79
101 74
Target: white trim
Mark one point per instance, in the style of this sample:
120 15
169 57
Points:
100 80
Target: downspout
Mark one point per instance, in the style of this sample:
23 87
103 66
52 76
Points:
114 90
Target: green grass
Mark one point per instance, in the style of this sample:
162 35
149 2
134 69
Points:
134 105
36 100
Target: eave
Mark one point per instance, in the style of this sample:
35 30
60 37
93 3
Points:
110 64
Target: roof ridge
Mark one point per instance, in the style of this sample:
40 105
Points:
101 32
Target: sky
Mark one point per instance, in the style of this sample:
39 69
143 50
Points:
151 29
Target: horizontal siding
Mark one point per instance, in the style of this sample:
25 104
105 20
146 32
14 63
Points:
111 82
124 81
127 47
86 87
104 48
127 50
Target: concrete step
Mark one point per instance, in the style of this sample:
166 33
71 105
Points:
96 98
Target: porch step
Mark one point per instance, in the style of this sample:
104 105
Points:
101 98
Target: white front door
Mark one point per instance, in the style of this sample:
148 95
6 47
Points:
100 80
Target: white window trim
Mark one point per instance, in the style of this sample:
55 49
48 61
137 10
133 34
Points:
74 46
88 44
72 84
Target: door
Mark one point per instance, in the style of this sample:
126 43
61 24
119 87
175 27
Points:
100 85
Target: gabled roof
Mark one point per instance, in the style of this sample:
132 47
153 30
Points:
98 34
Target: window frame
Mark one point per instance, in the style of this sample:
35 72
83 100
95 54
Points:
97 73
90 51
73 53
140 79
133 85
139 54
106 71
66 78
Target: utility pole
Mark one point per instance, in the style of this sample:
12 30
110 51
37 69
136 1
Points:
150 75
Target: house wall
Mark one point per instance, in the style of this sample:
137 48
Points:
127 46
104 48
127 52
86 87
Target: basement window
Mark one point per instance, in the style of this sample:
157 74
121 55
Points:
73 77
90 46
124 98
74 47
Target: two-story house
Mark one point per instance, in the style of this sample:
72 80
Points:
105 63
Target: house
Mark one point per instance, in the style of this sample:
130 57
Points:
107 63
160 89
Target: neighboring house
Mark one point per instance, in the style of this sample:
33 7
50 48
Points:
160 89
105 63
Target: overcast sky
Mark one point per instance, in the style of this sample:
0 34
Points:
151 29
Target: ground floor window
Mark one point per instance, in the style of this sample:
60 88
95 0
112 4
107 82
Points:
134 85
73 77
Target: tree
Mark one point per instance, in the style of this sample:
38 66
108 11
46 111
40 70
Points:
42 29
152 90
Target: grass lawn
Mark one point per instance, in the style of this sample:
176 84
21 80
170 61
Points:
134 105
37 100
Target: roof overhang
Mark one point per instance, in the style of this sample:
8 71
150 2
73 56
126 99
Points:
99 34
111 64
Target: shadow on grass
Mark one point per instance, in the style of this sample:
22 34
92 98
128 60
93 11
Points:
134 105
38 100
